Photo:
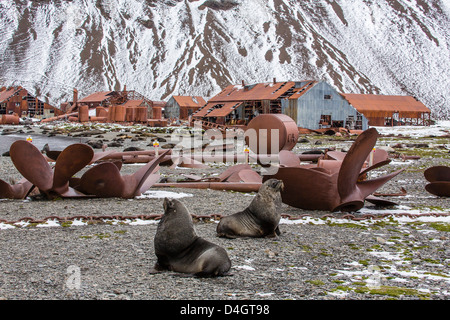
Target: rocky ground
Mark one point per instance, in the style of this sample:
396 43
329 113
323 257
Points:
317 257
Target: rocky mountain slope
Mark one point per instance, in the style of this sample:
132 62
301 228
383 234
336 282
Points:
181 47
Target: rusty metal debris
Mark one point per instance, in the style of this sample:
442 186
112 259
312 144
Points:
338 185
439 178
241 178
102 180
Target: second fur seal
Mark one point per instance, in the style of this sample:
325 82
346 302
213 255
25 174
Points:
260 218
179 249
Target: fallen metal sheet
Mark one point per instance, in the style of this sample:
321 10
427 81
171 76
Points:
338 190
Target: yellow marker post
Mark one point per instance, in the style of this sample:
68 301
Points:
156 146
246 152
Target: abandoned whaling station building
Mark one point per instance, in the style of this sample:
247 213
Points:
18 100
312 104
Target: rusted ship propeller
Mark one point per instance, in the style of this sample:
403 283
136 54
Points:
340 189
439 178
102 180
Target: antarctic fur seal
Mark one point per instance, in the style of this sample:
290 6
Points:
179 249
259 219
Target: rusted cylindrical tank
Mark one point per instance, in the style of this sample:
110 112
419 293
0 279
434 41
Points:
119 113
83 113
101 112
10 119
141 114
130 114
271 133
111 113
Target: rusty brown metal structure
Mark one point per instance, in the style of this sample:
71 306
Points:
272 131
389 110
102 180
439 180
339 189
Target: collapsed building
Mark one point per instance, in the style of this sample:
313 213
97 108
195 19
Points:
18 101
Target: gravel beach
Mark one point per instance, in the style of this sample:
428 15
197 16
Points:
320 256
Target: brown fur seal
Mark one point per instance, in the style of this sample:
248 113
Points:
260 218
179 249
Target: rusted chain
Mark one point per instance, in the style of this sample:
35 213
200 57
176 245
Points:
215 217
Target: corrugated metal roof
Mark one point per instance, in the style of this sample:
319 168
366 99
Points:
203 111
259 91
372 105
133 103
227 108
96 96
6 94
298 92
190 101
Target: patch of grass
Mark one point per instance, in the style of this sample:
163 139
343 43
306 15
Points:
393 291
440 226
348 225
316 282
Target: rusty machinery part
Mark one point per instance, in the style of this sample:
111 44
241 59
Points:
339 190
264 125
212 217
101 180
439 178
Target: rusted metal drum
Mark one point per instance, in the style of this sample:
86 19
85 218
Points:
10 119
265 126
83 113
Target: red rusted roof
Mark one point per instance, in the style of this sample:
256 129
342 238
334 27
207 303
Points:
259 91
6 94
203 111
298 92
225 110
96 96
190 101
372 105
133 103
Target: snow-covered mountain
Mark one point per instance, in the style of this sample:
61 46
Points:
188 47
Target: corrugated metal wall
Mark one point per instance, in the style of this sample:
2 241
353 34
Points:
172 109
309 108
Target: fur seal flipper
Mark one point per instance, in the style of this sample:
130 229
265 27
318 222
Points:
259 219
179 249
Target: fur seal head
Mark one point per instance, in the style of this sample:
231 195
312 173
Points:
260 218
179 249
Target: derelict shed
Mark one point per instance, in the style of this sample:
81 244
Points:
387 110
182 107
317 105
